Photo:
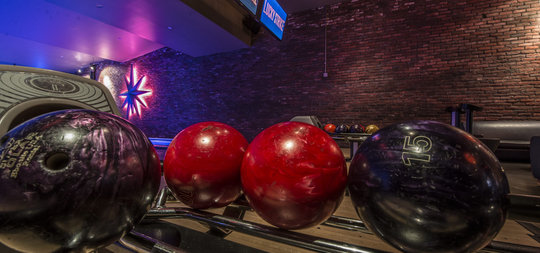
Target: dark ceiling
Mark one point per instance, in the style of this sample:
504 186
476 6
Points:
66 35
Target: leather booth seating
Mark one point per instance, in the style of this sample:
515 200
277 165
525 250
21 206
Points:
515 137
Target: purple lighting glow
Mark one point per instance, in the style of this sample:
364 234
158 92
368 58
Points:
134 94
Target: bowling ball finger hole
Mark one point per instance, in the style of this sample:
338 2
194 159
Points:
57 161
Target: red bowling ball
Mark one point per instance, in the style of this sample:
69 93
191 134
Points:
330 128
294 175
202 165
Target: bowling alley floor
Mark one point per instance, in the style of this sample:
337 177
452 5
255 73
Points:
513 232
521 179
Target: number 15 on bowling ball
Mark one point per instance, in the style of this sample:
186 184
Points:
416 150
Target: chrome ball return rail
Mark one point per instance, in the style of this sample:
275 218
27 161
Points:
523 208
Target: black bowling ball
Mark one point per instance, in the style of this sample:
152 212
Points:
357 128
425 186
74 181
342 128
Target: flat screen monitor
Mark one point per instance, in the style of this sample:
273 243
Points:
251 5
273 17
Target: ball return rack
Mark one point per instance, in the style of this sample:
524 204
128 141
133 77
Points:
524 208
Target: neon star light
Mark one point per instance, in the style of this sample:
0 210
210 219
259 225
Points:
134 94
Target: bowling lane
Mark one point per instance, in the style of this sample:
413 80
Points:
521 179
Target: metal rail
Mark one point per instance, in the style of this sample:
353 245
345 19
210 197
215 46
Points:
301 240
523 206
271 233
142 243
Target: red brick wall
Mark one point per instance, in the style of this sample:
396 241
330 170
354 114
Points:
387 61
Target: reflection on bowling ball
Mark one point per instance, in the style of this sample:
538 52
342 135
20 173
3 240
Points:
202 165
74 180
370 129
356 128
294 175
425 186
330 128
342 128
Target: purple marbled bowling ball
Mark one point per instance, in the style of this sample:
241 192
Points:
425 186
74 180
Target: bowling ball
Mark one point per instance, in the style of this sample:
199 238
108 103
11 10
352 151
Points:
74 180
370 129
356 128
330 128
425 186
342 128
294 175
202 165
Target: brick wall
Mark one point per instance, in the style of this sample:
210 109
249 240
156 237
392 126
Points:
387 61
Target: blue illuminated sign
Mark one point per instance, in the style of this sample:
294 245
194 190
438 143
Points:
273 17
251 5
